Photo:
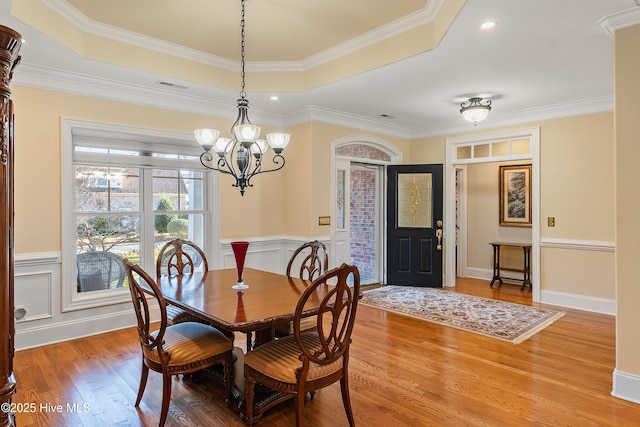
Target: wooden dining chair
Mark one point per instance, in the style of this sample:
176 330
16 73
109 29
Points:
173 349
311 360
314 261
180 256
177 258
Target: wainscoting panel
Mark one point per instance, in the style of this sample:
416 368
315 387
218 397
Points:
28 285
37 300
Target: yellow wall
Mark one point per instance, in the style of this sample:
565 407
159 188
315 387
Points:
322 135
578 272
38 188
428 150
576 178
299 182
576 170
287 202
627 198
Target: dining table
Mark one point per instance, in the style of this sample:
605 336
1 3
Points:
269 300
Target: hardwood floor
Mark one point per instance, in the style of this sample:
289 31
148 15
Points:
403 372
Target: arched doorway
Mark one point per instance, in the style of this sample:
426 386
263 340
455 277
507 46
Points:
358 199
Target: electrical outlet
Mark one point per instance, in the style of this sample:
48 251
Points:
551 221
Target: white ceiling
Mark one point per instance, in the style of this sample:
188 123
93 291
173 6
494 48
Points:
544 59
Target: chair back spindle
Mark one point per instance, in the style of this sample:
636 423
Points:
180 256
313 264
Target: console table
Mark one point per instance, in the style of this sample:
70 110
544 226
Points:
526 270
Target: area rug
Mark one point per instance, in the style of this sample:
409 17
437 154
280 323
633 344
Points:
497 319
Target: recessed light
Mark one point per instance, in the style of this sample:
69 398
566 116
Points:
274 98
487 25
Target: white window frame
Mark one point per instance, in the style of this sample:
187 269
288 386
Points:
114 136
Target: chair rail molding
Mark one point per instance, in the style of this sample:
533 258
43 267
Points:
585 245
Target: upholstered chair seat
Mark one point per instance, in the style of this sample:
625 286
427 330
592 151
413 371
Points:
281 361
186 342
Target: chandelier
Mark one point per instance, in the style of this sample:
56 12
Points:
241 155
475 112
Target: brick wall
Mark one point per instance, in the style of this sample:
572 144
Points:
363 216
362 151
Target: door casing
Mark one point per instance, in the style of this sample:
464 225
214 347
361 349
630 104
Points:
533 136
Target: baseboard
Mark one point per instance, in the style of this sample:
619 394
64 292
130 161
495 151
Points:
73 329
478 273
563 299
487 274
626 386
580 302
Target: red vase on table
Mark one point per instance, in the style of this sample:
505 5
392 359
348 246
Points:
240 252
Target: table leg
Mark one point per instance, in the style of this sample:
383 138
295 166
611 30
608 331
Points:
264 336
527 269
496 265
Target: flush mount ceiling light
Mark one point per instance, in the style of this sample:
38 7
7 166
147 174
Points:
475 112
241 155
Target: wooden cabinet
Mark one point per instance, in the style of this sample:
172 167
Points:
10 43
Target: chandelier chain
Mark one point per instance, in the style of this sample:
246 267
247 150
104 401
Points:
242 74
241 156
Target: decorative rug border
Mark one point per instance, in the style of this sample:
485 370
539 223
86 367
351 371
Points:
535 328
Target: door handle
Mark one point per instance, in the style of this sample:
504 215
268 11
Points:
439 236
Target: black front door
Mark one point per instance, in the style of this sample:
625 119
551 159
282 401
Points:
414 225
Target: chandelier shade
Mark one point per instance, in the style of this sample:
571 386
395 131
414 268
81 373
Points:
475 112
278 141
241 156
207 137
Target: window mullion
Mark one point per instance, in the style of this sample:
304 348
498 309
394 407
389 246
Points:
148 231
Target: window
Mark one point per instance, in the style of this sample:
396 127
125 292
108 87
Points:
128 194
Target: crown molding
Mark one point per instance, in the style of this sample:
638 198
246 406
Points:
399 26
73 15
568 109
627 18
340 118
100 88
86 85
377 35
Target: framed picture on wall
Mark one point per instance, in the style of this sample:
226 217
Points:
515 195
